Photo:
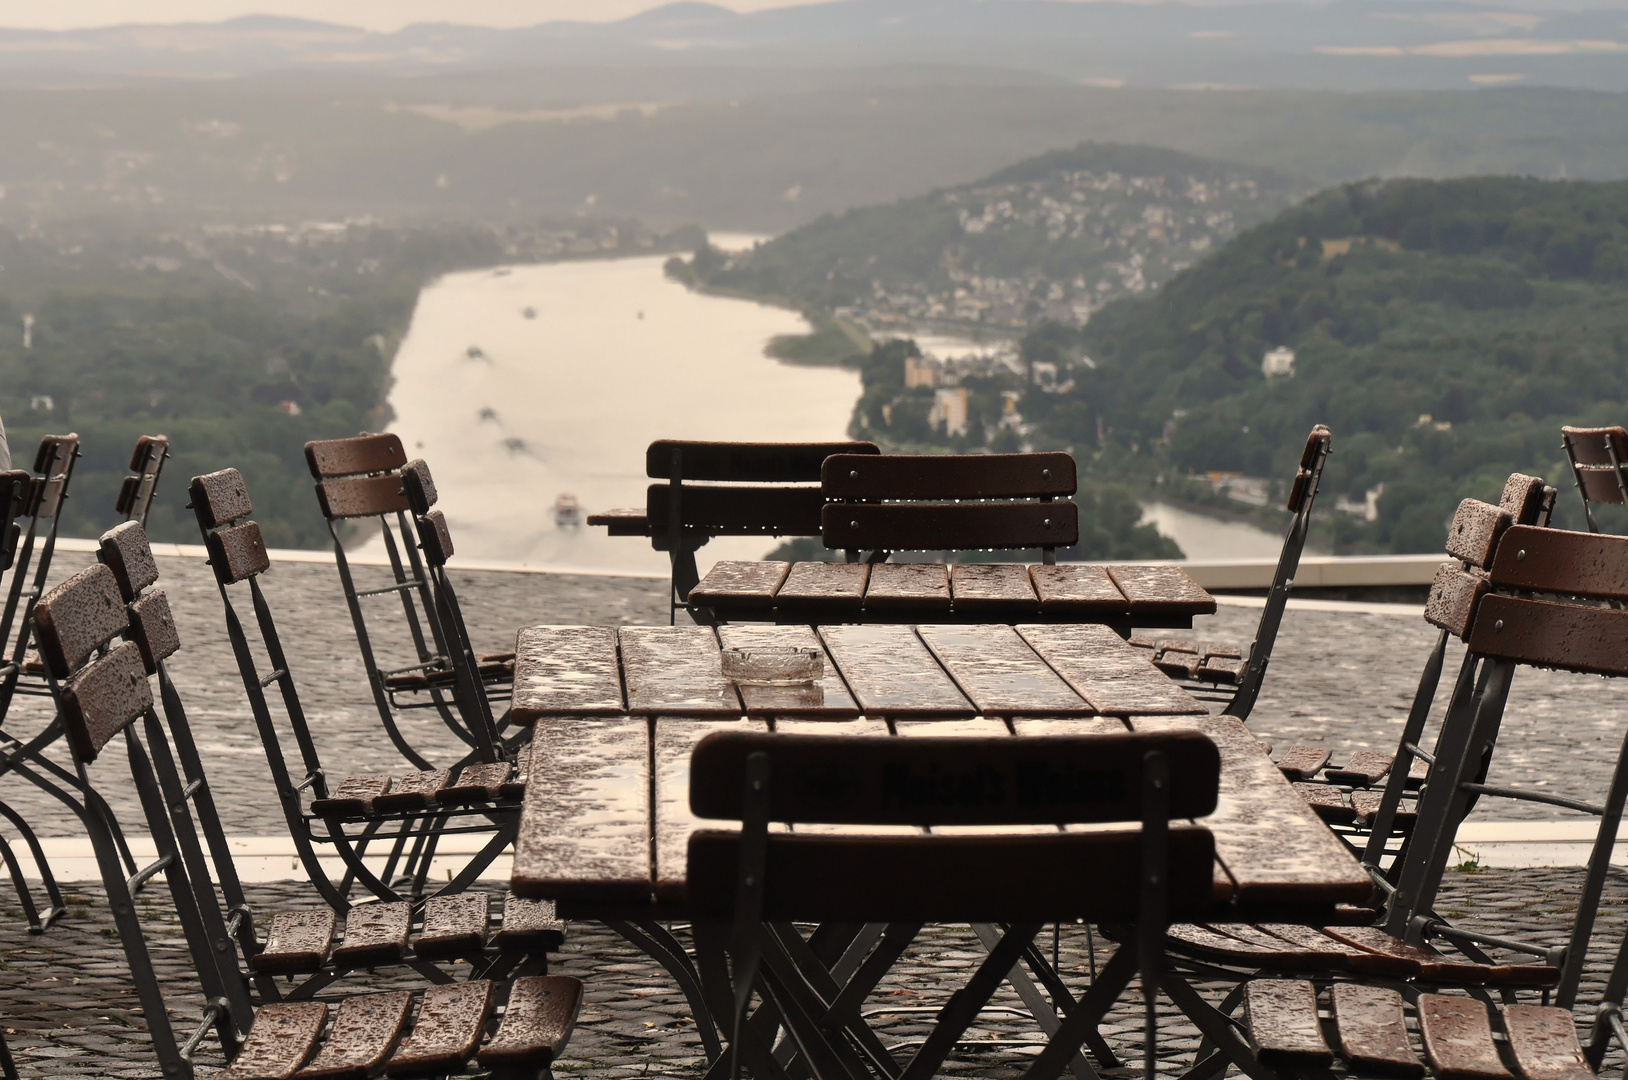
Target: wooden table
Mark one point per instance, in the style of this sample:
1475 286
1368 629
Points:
814 592
604 830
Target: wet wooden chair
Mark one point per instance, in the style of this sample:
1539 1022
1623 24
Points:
346 814
1227 673
1599 466
724 489
37 499
137 491
109 650
360 480
746 887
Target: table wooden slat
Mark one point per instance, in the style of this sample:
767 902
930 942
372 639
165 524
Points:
1076 588
676 671
1271 843
585 822
1085 725
741 583
823 586
980 727
921 587
675 742
566 669
828 697
1112 675
1000 673
993 587
891 673
873 729
1157 589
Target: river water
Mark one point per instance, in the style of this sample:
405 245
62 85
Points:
520 384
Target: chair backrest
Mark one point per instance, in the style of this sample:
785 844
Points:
1599 465
957 502
1302 493
146 463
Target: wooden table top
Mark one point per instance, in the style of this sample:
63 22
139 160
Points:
605 829
770 590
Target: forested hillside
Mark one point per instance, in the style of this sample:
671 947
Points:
1444 330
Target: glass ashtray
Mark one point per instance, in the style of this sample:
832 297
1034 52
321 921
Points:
773 666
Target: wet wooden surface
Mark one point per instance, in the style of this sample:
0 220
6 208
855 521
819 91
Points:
1076 587
747 583
1283 1024
1270 841
1112 675
891 673
1161 588
675 670
824 586
569 669
675 741
992 586
1000 673
585 832
828 697
914 586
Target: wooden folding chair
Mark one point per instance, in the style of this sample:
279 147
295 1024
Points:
38 497
137 491
360 479
357 811
1599 466
746 888
724 489
107 689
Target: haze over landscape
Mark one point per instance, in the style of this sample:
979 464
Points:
219 219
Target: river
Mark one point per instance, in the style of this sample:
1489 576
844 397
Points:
520 384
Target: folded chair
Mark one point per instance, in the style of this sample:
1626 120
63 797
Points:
746 888
361 479
38 498
137 491
724 489
1599 465
355 811
1229 674
107 690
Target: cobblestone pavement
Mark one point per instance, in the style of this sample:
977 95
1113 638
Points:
68 1010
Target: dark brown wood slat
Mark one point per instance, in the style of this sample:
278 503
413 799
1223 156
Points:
283 1036
1523 498
1327 802
1600 483
585 834
993 587
537 1022
675 743
1458 1038
1544 1041
961 526
1283 1024
1111 675
741 583
1077 588
1220 669
1454 597
1435 967
1373 1033
1159 589
624 521
823 586
891 673
949 476
454 927
675 670
1475 532
374 934
1363 768
1084 725
1565 636
1593 565
152 628
1354 958
828 697
1588 445
124 549
1302 762
565 671
727 510
104 697
348 457
1191 939
362 496
530 926
352 798
747 462
366 1028
447 1030
1310 955
78 617
998 671
923 587
297 942
1271 843
237 553
413 791
476 783
220 497
1365 805
1315 442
